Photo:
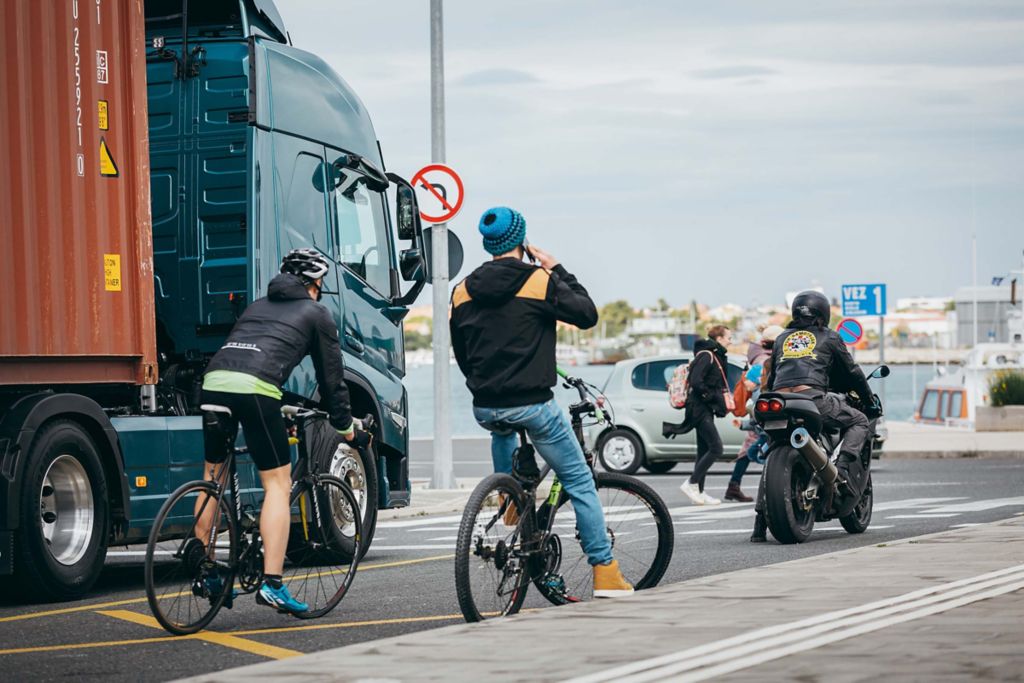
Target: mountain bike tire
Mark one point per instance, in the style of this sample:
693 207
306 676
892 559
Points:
491 575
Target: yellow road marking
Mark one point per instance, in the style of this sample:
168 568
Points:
82 646
135 601
225 639
348 624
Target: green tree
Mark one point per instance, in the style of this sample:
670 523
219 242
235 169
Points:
615 317
414 341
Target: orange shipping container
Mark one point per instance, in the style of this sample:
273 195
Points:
76 293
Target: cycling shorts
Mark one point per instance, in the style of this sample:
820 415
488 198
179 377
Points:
262 425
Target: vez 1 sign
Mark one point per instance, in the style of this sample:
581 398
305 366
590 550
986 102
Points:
860 300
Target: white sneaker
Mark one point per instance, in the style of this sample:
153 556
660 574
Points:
710 500
692 492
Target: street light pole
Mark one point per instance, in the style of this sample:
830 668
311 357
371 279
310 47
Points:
444 474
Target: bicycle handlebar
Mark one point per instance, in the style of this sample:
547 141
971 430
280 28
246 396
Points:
582 388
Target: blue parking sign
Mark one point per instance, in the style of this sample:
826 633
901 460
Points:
860 300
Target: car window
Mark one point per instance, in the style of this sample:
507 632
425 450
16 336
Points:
654 376
733 373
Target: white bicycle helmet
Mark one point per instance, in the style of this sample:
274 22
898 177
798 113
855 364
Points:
309 264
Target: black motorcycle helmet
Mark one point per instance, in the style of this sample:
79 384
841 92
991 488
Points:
811 308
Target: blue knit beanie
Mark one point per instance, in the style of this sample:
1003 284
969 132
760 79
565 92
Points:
503 229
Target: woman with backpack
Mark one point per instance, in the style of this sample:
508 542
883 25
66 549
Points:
706 399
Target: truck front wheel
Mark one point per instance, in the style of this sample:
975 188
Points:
61 542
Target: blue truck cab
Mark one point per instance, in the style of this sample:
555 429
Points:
256 148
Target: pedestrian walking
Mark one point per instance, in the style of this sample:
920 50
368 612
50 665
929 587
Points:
706 400
757 353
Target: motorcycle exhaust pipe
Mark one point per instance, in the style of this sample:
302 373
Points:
801 440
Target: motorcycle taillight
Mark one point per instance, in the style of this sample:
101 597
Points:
775 405
761 406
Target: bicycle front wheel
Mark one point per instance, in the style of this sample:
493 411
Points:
188 580
491 574
324 546
640 529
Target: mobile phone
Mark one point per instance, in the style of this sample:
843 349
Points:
529 254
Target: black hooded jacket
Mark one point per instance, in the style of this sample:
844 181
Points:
705 378
275 333
503 329
815 356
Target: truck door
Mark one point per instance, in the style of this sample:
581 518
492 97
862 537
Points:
363 251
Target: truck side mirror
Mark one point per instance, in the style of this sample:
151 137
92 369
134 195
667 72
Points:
411 265
407 211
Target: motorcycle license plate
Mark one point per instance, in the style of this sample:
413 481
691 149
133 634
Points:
775 424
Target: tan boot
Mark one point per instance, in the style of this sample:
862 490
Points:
609 581
511 516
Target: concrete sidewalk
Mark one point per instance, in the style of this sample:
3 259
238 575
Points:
943 606
913 440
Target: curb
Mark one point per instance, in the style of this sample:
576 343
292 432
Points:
952 455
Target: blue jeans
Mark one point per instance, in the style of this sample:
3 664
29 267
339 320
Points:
753 454
551 434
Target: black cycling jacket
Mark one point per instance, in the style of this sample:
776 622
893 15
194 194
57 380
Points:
816 357
275 333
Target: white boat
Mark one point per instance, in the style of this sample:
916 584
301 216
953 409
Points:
952 396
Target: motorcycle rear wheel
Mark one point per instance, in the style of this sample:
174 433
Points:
786 476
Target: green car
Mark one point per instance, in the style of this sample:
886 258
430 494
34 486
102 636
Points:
638 392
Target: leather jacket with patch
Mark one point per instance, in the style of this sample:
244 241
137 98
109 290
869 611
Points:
816 357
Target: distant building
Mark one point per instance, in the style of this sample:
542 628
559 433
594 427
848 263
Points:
993 313
923 303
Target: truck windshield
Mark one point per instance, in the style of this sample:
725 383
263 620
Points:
362 233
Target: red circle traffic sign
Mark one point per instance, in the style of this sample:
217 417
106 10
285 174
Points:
850 331
436 179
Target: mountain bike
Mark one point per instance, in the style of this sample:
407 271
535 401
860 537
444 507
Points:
189 579
506 541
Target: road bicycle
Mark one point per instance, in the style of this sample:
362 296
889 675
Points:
189 579
506 540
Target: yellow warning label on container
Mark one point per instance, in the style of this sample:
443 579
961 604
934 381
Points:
112 272
108 167
102 109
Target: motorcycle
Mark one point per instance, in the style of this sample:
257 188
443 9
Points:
801 482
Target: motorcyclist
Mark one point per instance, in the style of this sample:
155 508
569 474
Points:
811 359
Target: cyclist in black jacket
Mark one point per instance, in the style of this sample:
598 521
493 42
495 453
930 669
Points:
503 335
242 385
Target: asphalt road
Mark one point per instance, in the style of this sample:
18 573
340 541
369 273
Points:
406 581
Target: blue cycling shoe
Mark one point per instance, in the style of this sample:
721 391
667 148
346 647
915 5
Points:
280 599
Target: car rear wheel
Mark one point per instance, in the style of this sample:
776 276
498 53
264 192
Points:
621 451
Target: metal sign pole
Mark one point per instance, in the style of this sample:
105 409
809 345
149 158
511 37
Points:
444 473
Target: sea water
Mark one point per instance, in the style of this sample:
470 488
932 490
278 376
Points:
900 400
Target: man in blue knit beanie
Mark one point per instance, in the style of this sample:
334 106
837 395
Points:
503 322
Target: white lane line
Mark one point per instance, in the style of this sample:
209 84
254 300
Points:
827 639
713 531
406 523
770 637
980 505
424 529
923 515
449 546
912 503
442 538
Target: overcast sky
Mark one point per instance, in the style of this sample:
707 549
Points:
724 151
